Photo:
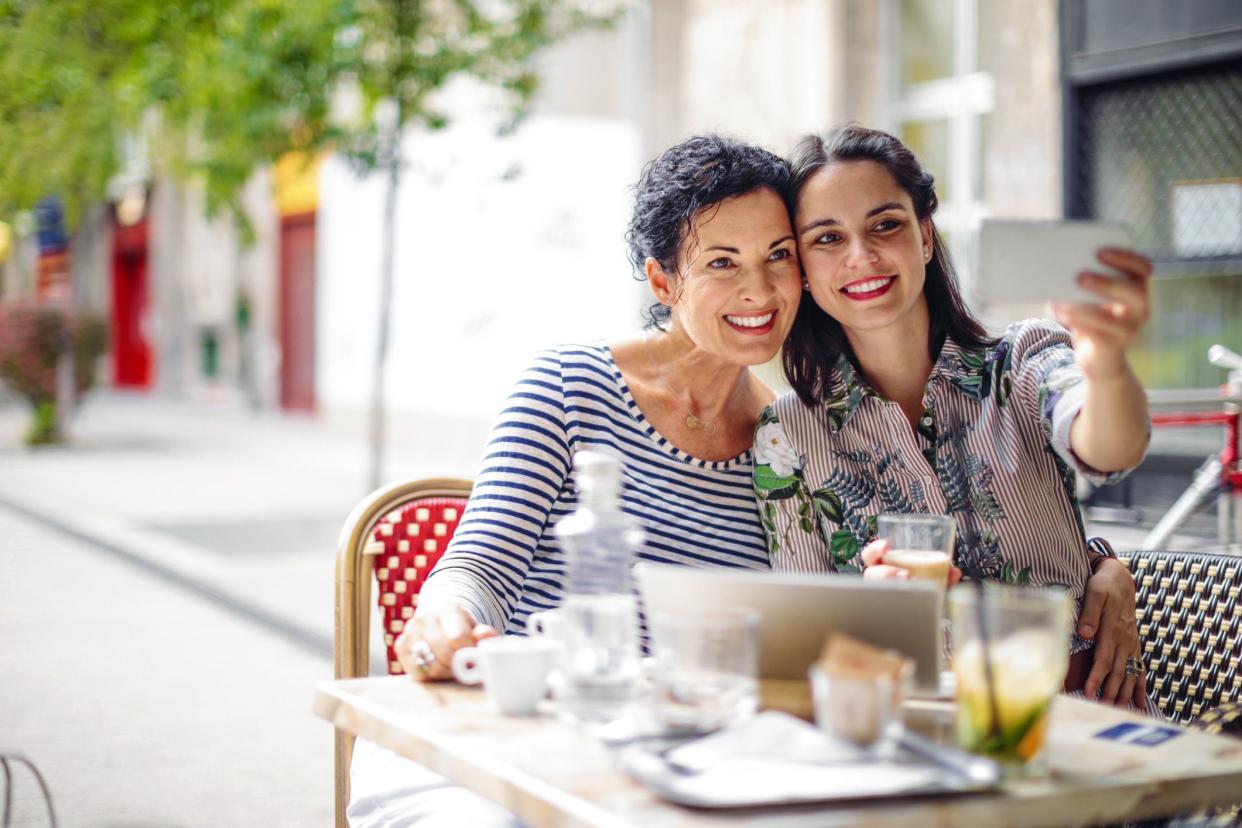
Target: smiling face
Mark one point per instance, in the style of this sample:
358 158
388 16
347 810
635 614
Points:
738 281
864 250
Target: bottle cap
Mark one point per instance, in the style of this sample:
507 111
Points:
597 469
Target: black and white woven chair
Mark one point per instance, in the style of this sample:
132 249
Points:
1189 610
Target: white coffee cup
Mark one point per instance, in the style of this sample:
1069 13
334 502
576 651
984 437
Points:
513 670
552 624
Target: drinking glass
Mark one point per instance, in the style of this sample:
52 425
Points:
920 544
599 679
864 710
1010 654
706 668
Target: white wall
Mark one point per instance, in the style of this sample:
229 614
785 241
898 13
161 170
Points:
504 246
766 71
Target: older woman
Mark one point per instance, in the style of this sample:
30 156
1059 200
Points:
902 402
711 233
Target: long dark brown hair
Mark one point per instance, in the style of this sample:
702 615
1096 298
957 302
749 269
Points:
817 340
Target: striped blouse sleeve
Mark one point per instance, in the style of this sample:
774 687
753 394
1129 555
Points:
1050 386
525 465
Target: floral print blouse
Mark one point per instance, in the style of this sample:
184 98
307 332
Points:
992 449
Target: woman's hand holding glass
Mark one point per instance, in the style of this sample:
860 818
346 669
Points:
875 568
425 647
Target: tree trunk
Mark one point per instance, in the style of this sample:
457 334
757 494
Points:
375 474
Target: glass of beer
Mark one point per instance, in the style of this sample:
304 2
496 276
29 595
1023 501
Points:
1010 652
920 544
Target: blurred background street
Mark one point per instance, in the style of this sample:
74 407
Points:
232 233
173 567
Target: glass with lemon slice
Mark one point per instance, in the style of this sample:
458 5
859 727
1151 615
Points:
1010 653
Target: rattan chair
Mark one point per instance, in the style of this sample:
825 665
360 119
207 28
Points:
394 537
1190 624
1189 610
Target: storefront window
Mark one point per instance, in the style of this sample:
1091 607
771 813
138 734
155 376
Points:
938 96
926 40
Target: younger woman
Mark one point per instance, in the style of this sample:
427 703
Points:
902 402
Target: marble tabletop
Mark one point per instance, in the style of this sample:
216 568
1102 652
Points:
551 774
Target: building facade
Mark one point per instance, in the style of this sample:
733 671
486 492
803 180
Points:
1119 110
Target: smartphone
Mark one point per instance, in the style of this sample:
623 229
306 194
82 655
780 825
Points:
1020 261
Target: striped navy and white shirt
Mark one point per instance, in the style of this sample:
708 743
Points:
992 449
504 562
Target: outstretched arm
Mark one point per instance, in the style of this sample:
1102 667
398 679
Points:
1110 431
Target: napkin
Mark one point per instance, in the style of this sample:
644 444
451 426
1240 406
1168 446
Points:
770 735
774 758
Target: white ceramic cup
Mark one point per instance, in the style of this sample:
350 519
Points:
513 669
551 624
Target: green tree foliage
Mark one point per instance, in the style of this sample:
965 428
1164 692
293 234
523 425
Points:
222 87
60 69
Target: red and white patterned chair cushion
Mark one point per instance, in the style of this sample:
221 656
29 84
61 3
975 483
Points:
405 545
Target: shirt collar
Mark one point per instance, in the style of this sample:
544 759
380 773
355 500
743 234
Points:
970 370
974 372
846 391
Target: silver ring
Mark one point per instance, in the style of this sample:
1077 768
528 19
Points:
1134 667
423 655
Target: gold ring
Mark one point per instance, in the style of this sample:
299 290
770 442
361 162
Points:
1134 667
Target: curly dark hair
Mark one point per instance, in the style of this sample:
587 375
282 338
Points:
684 180
816 339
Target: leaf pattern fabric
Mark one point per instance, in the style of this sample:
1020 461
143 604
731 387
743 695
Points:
991 449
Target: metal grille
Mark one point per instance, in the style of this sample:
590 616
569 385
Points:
1164 156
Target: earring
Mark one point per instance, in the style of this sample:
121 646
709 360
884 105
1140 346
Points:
806 285
927 256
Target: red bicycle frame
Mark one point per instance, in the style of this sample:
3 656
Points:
1230 473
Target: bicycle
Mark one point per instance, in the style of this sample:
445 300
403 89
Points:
1219 477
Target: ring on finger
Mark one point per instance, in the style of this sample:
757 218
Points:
423 656
1134 667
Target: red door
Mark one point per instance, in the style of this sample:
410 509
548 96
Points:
297 312
131 353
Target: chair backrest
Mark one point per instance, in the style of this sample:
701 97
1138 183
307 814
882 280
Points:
395 536
405 545
1190 625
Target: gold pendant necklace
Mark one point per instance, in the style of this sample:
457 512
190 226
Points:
693 421
695 424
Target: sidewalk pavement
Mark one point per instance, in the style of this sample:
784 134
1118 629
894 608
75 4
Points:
142 706
166 607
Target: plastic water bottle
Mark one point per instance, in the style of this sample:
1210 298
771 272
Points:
600 680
